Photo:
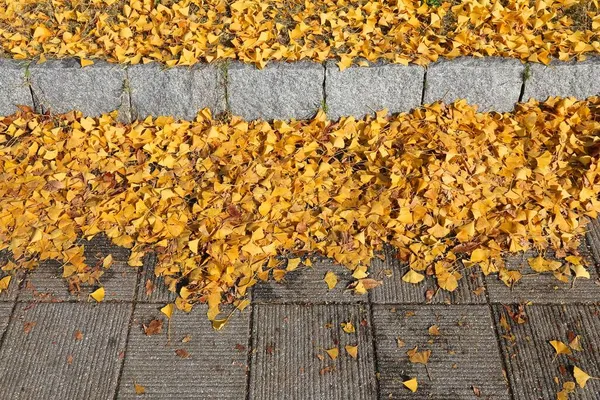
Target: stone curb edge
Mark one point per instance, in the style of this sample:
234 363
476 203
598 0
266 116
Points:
286 90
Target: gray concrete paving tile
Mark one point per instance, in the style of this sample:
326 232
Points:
358 91
306 285
464 356
534 370
211 365
179 92
580 79
492 83
15 88
543 288
152 288
289 359
45 283
44 357
5 313
279 91
394 290
60 86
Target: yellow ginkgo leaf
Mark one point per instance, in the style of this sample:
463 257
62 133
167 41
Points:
107 262
352 350
333 353
139 389
292 264
218 324
98 294
411 384
413 277
86 62
560 347
575 344
4 283
580 376
193 245
168 310
330 279
348 327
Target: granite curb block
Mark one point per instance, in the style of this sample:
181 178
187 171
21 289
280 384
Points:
493 83
279 91
285 90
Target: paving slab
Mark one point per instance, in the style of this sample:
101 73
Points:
60 86
393 290
42 358
289 359
152 288
492 83
543 288
464 356
279 91
534 370
359 91
45 283
210 364
15 88
306 285
179 92
580 79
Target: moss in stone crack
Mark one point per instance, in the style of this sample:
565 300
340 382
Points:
224 68
324 106
527 72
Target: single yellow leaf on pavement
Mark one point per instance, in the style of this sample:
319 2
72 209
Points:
98 294
575 344
348 327
330 279
86 62
293 264
139 389
560 347
168 310
107 262
4 282
352 350
411 384
218 324
333 353
413 277
580 376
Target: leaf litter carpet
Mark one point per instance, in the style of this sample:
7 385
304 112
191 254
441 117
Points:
190 31
220 201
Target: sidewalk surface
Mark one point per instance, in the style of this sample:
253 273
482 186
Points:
486 340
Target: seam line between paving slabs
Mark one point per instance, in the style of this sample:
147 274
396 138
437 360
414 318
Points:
374 347
128 334
503 362
250 343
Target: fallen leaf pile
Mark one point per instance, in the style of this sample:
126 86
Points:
188 31
450 188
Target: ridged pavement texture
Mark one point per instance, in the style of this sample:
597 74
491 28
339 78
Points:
533 368
214 365
286 90
152 288
5 313
287 342
41 358
464 356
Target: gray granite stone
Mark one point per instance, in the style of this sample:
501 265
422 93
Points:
179 92
306 285
41 358
60 86
152 288
492 83
289 359
543 288
464 356
15 89
45 283
358 91
279 91
212 364
580 79
393 290
534 369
